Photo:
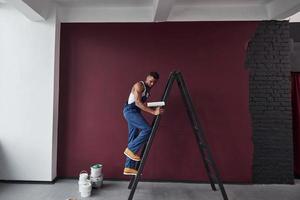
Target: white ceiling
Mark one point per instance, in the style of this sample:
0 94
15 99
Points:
110 3
223 2
158 10
150 2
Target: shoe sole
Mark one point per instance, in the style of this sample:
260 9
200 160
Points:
131 158
130 174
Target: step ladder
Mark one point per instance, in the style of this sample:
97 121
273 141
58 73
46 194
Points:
210 166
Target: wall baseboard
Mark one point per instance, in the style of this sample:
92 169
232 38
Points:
29 182
123 180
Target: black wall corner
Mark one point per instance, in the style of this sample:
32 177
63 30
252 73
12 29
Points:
268 62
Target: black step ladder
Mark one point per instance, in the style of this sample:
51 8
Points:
208 161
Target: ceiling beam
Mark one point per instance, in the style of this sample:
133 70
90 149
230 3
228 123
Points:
186 12
279 9
106 14
162 9
34 10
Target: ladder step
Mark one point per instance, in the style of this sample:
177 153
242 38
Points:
208 161
203 145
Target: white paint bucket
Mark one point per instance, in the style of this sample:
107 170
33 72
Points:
96 170
97 181
81 183
83 179
85 189
83 176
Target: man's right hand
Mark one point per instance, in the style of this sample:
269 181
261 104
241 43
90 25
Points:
158 111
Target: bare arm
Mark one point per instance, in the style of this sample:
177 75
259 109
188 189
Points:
137 92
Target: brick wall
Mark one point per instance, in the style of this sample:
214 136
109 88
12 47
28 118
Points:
270 103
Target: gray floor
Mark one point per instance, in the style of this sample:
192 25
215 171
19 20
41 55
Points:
117 190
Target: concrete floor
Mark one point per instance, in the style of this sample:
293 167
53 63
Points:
117 190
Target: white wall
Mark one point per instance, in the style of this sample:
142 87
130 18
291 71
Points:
56 95
28 101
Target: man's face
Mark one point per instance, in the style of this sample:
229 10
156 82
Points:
150 81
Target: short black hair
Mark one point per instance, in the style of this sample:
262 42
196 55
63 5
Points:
154 75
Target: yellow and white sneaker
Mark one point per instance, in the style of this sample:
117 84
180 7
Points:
130 171
131 155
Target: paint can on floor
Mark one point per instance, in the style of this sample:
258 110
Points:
96 170
97 181
83 176
83 180
85 189
96 175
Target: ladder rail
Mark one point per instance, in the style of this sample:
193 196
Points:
200 136
152 135
196 128
137 165
168 85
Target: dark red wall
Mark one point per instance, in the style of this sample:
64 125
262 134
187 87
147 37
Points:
99 64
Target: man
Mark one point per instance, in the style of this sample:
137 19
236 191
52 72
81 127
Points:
138 128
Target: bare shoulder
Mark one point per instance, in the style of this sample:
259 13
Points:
138 86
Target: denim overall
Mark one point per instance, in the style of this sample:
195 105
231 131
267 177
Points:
138 129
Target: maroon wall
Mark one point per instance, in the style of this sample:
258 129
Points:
99 64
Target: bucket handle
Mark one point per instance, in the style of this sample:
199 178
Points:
83 171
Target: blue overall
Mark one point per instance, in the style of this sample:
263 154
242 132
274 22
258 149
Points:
138 129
